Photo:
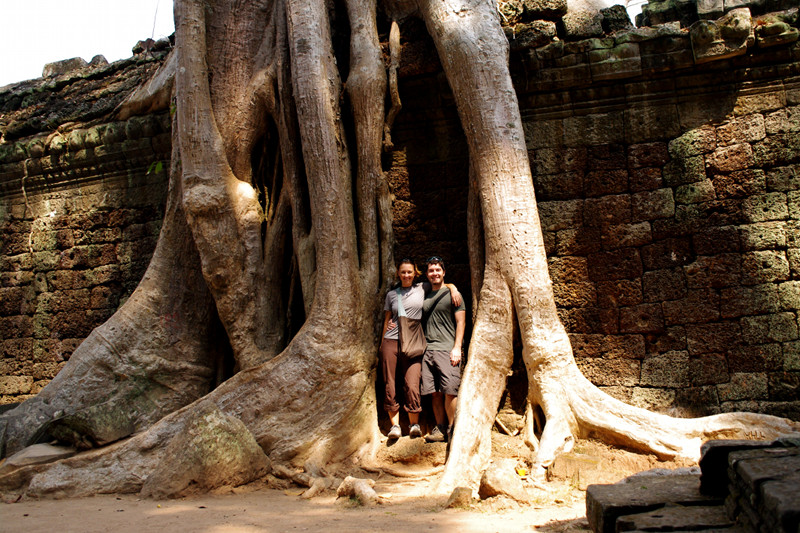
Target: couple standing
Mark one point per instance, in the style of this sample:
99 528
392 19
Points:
441 309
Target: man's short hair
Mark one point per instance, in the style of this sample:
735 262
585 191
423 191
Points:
436 260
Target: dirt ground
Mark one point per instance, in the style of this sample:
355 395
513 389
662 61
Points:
407 505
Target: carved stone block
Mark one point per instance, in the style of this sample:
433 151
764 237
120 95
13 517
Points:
726 37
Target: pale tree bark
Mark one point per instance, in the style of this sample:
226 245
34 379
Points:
263 76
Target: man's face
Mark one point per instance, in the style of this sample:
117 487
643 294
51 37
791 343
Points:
435 273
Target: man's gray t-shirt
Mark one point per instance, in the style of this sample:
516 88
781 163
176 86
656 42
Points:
412 303
440 323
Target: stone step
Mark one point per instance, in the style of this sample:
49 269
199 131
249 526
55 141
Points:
639 494
745 486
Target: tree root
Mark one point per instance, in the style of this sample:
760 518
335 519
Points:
360 489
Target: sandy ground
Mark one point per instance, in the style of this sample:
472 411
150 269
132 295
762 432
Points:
407 503
284 511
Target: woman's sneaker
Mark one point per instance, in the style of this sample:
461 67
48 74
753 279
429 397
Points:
414 431
436 435
395 433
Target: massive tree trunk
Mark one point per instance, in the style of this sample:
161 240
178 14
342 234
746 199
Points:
268 206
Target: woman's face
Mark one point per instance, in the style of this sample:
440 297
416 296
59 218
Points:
406 274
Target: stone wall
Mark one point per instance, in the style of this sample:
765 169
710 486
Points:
80 213
668 184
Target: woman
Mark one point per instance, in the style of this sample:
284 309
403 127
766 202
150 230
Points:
395 364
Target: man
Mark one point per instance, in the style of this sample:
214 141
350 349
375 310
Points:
444 332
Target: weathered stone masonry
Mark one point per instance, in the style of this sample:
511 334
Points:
80 214
669 195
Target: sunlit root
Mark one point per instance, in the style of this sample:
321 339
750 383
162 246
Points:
359 489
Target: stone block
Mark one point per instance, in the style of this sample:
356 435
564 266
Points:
559 215
606 503
713 463
213 450
697 141
670 369
730 158
65 66
758 100
784 386
780 327
774 31
750 386
626 235
712 338
605 156
716 240
753 300
546 9
590 320
581 241
624 263
743 129
671 339
605 182
710 9
610 372
13 385
622 61
658 400
19 326
783 121
678 518
665 284
531 35
715 271
684 170
789 295
765 207
760 358
764 266
619 293
645 179
651 122
667 253
698 307
695 193
739 184
650 154
783 179
763 236
582 24
564 186
777 150
698 401
574 294
723 38
593 129
615 18
793 204
643 318
615 209
652 204
793 256
708 369
568 269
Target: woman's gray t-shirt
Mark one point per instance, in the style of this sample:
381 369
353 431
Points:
412 302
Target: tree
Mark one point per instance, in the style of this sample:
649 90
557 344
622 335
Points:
270 176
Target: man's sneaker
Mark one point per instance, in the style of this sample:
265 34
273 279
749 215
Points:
414 431
394 433
436 435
